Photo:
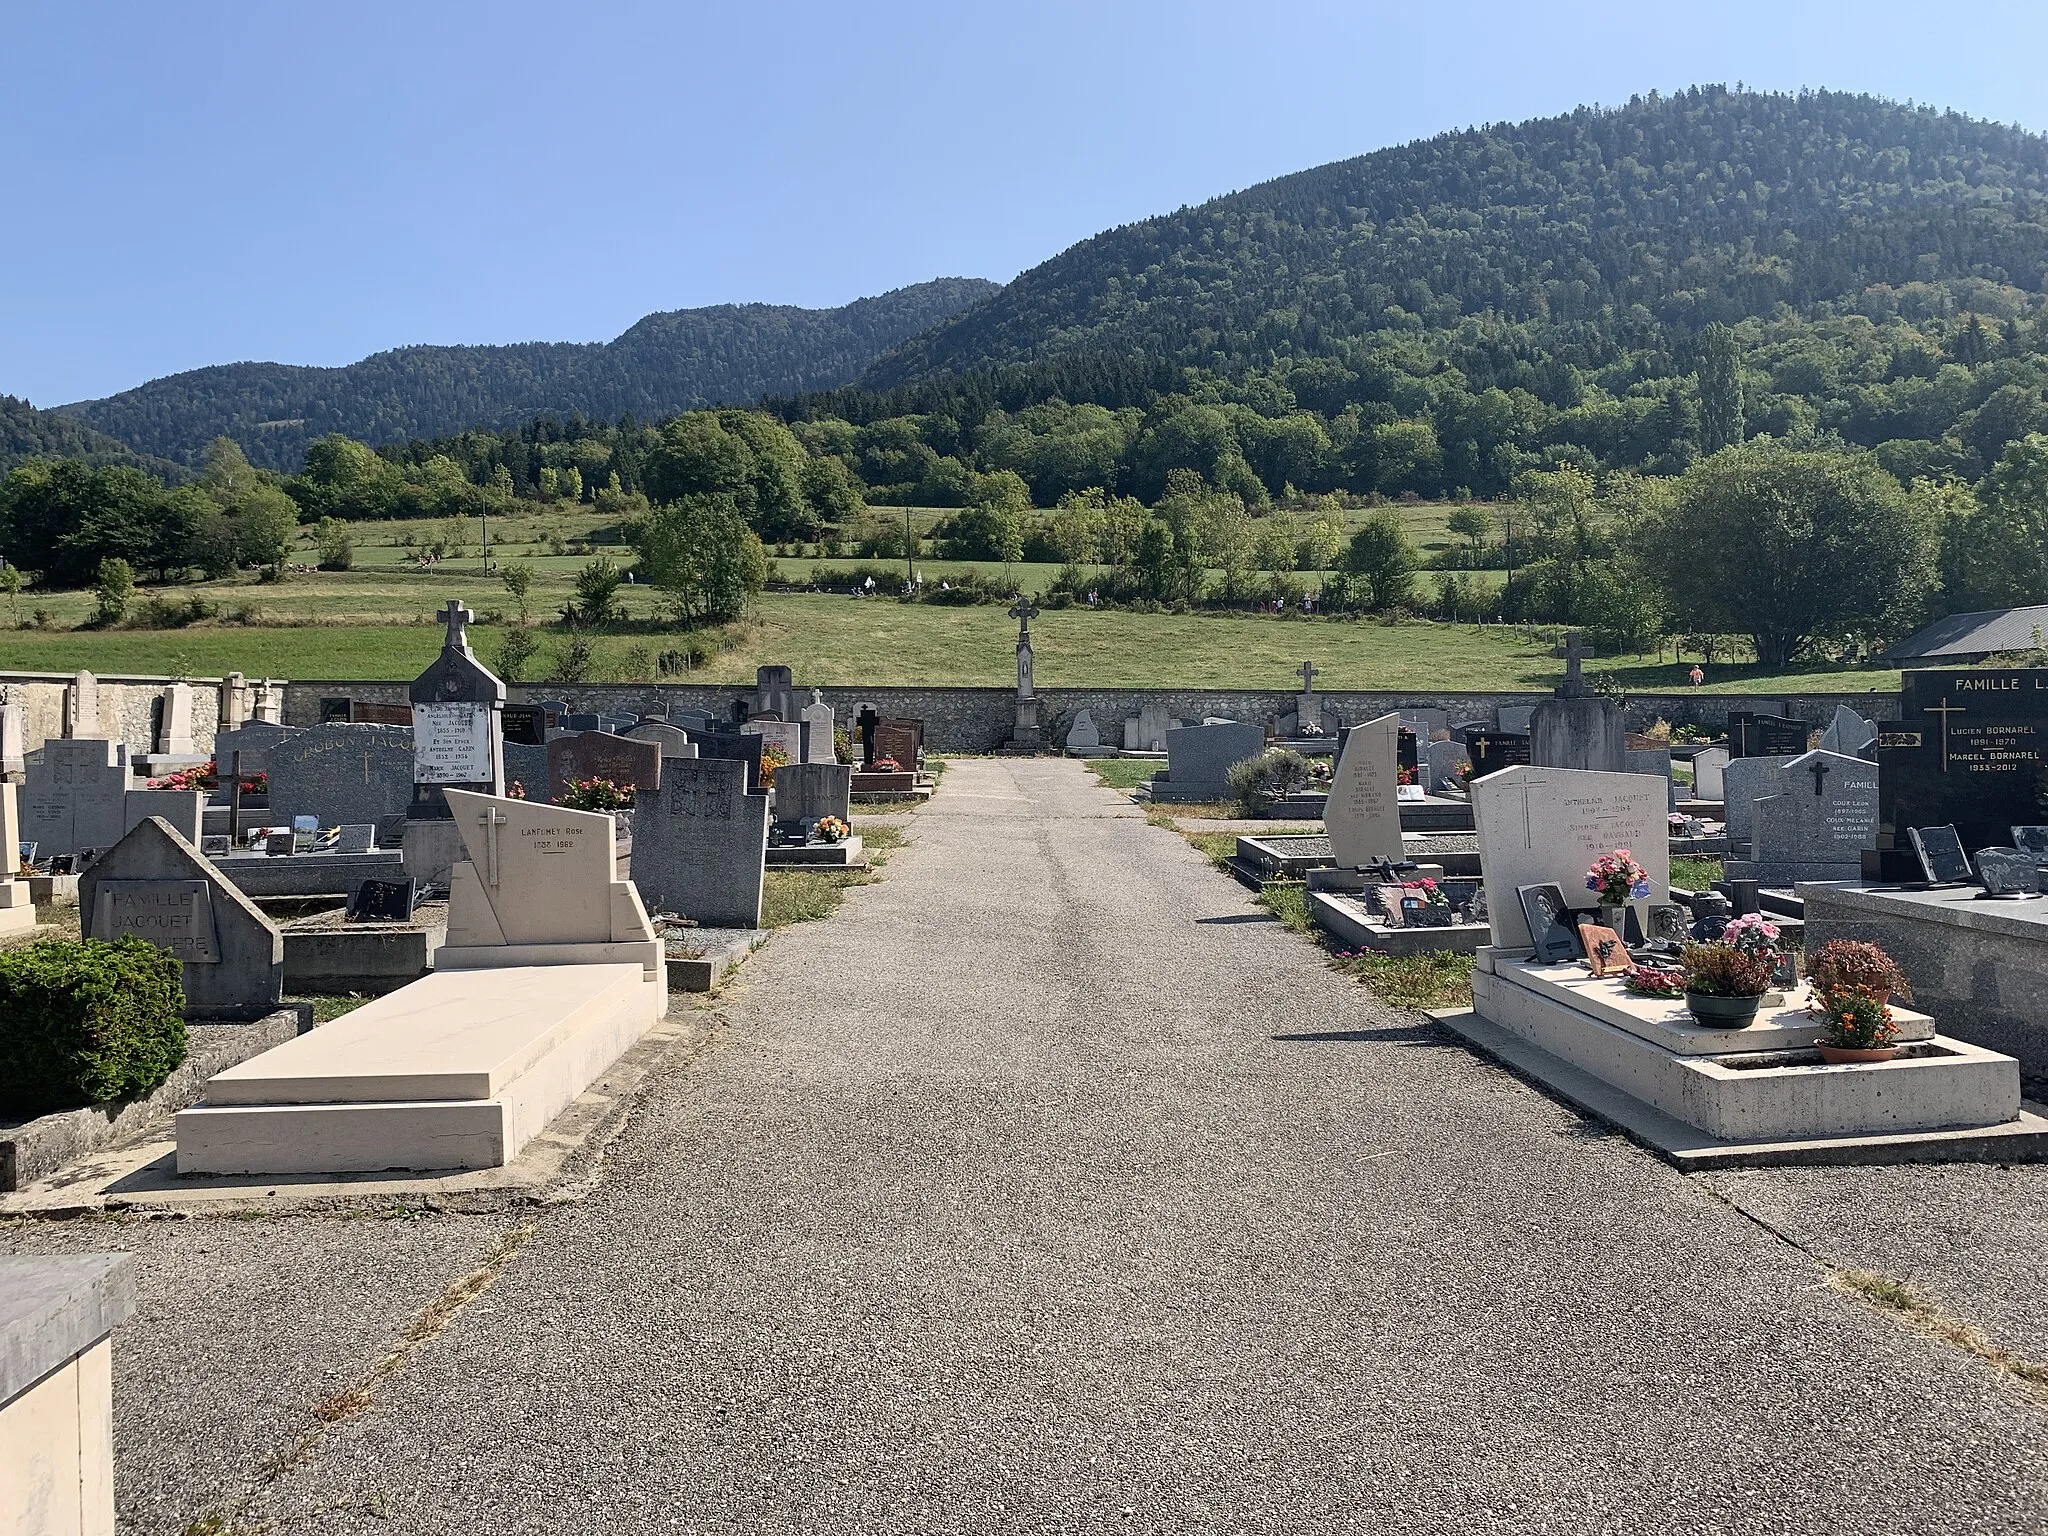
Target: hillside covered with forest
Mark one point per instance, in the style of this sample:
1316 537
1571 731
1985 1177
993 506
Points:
665 363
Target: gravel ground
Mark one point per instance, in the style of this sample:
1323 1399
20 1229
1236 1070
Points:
1051 1186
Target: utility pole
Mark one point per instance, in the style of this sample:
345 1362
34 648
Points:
909 552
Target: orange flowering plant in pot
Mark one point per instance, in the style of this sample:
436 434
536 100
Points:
1852 985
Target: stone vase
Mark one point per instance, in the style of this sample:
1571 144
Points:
1615 918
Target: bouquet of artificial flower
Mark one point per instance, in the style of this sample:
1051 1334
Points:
1753 934
1616 878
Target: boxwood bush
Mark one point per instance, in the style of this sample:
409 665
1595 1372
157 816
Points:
83 1021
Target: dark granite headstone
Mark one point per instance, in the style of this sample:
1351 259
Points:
731 746
2031 840
1494 750
2009 872
1756 735
526 724
601 755
1406 753
1969 750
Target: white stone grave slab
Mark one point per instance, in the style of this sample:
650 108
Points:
1363 814
1708 766
1546 826
818 715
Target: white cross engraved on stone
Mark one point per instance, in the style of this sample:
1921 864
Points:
491 819
1309 673
458 619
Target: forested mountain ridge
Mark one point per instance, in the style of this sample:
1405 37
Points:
27 433
1572 237
665 363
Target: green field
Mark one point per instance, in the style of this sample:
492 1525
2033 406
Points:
359 625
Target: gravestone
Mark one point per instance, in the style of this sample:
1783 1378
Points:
1154 721
692 720
2031 839
174 721
82 707
774 694
1578 728
625 760
1513 719
535 880
700 850
1083 736
1816 824
1308 718
75 795
1969 750
183 809
1494 750
786 734
672 741
253 741
269 705
1753 734
355 837
866 723
732 746
13 739
458 735
17 899
808 791
1407 749
1447 762
156 885
525 724
1199 759
1743 782
1708 765
341 773
234 701
898 739
1542 826
1848 733
1941 856
820 723
1363 814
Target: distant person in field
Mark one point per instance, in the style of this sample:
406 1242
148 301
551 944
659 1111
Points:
1696 675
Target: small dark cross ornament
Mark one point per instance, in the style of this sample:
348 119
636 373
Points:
1820 770
458 619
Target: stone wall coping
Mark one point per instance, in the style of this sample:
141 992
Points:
131 677
53 1310
1951 906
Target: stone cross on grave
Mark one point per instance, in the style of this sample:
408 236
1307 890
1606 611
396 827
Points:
1820 770
1024 613
1945 709
866 721
1574 684
490 819
1309 673
458 619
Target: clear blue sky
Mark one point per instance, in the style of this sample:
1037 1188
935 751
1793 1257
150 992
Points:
204 182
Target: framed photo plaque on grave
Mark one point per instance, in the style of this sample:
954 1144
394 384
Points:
1940 851
1551 926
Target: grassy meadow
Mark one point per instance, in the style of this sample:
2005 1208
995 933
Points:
377 621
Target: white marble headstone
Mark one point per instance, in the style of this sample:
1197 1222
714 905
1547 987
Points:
818 715
1546 826
1363 816
1708 765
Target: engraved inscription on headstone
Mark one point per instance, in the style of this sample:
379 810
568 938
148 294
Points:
176 914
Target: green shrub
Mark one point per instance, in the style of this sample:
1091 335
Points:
83 1021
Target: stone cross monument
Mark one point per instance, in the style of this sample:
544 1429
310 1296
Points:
1029 735
1576 727
458 737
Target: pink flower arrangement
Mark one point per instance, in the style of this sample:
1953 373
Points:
1753 934
1616 878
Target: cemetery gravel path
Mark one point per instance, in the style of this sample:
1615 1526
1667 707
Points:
1050 1186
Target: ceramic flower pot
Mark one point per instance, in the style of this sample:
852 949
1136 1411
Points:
1846 1055
1722 1012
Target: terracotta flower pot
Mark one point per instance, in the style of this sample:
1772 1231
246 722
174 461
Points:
1845 1055
1722 1012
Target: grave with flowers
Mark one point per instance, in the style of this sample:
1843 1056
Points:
1700 1039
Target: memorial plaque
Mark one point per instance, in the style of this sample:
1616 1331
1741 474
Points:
2010 872
1547 826
898 740
1969 751
526 724
175 914
1940 851
1550 923
1606 955
2031 840
1362 815
451 743
389 901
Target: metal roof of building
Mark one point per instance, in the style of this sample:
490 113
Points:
1976 634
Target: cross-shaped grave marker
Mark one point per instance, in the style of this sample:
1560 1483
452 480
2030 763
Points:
1820 770
1309 673
458 619
490 819
1024 612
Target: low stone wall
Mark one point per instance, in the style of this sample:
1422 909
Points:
127 707
980 719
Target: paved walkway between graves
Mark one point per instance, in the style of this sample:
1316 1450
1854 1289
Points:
1051 1186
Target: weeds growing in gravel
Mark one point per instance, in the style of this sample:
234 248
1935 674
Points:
1435 979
